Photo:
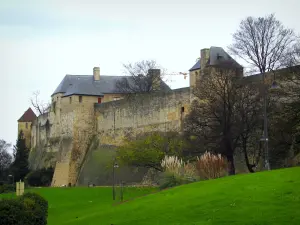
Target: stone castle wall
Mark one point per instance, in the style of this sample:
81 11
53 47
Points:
129 117
141 113
62 137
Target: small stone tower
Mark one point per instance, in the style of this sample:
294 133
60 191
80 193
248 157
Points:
24 124
210 58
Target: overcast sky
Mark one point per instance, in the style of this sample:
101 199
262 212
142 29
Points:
41 41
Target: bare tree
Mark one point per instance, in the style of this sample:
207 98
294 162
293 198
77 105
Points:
5 157
212 118
248 123
39 105
142 76
263 42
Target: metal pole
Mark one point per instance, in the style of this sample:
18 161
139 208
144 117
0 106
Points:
114 193
266 139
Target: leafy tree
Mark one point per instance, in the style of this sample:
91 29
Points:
147 150
5 158
20 164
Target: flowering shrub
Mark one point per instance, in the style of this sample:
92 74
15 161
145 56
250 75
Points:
211 166
176 172
172 164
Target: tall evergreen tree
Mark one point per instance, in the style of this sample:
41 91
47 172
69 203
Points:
20 164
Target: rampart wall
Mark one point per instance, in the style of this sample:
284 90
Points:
63 137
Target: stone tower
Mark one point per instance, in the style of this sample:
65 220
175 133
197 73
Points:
210 58
24 125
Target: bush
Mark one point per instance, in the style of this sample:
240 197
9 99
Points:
40 178
37 206
176 172
211 166
11 212
7 188
168 180
29 209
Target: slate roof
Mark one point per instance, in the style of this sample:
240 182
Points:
28 116
196 66
218 57
86 85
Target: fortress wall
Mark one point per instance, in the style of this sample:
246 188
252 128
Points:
141 113
128 117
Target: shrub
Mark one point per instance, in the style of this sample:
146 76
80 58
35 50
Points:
29 209
211 166
176 172
151 177
172 164
168 180
42 177
11 212
7 188
37 206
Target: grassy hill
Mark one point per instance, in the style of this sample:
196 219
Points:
271 197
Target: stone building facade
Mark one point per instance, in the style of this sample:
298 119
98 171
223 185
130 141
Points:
87 107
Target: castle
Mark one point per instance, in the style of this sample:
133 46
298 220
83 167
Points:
89 107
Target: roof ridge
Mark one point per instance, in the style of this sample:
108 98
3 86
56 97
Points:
100 75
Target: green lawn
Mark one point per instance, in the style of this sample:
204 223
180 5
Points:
254 199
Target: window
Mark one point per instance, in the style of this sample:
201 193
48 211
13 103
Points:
182 109
99 100
70 100
26 125
116 98
80 98
54 107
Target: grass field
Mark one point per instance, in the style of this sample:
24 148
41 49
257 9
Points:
262 198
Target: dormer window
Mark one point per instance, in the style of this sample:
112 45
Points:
219 56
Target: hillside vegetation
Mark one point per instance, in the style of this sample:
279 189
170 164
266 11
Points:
271 197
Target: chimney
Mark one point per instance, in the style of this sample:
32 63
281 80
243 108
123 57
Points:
156 79
204 58
96 73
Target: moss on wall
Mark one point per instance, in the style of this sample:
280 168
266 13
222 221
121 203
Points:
98 167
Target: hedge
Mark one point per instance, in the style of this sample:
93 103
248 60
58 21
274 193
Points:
40 178
29 209
7 188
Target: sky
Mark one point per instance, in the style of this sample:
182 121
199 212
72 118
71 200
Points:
42 41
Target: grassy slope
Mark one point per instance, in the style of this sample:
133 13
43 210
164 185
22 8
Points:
67 204
262 198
